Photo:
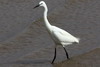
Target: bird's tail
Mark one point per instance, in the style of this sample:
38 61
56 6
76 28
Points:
78 39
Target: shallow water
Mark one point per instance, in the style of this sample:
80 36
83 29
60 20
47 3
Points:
25 41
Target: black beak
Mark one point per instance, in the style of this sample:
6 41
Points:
36 6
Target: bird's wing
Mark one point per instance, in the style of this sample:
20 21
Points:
62 35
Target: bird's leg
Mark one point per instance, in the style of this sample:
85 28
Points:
54 56
66 53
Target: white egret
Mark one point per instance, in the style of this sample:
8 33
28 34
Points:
59 36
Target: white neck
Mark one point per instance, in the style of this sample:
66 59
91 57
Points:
47 24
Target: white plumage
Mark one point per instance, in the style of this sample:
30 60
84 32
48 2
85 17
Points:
59 36
62 37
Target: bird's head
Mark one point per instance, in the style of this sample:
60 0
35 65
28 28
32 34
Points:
41 3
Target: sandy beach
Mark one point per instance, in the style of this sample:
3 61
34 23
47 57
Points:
89 59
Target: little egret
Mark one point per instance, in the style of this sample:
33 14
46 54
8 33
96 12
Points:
59 36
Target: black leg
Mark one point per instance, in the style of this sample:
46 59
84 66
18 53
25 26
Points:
66 53
54 57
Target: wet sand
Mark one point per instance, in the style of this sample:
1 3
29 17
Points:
24 41
89 59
